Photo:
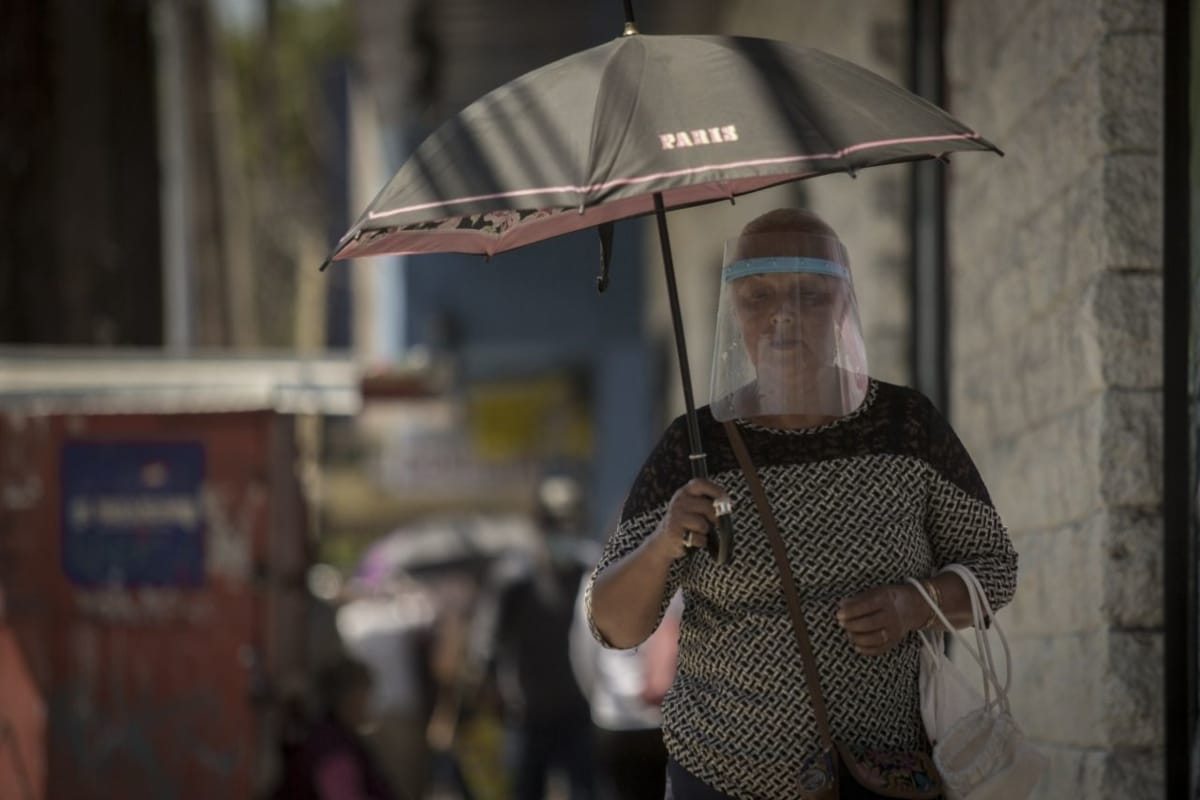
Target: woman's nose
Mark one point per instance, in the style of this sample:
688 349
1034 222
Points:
783 314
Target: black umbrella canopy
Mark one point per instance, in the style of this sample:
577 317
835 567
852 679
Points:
645 124
592 137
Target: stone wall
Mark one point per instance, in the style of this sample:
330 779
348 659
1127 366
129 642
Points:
1055 363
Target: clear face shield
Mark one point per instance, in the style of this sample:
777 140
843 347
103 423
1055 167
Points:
788 336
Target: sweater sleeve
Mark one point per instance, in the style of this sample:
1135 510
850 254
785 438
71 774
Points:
963 524
664 471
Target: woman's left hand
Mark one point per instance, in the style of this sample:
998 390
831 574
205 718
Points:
878 619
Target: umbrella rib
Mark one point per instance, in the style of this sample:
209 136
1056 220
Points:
760 54
794 111
629 117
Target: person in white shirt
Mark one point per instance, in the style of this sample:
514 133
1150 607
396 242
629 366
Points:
625 689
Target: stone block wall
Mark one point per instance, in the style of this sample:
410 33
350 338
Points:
1056 363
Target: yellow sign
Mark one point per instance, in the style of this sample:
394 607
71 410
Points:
539 418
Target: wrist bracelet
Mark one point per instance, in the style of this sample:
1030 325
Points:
934 594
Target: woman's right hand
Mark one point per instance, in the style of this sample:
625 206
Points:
690 515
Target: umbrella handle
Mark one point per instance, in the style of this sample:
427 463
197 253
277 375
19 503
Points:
719 542
720 539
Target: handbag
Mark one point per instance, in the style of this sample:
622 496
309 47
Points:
839 771
946 694
977 745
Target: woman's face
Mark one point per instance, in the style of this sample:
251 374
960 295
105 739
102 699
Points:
789 321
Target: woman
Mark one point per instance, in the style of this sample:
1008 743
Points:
869 486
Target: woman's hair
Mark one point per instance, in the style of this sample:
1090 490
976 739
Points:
787 231
341 678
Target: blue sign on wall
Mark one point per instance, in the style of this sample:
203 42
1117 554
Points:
132 513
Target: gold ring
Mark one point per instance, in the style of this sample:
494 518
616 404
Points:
687 538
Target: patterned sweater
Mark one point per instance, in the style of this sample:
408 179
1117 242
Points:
884 493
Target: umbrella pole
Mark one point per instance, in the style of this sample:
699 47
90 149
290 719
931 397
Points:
721 545
630 25
699 466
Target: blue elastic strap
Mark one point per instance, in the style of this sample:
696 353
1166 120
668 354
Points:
776 264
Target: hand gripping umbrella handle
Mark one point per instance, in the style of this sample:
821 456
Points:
720 536
720 539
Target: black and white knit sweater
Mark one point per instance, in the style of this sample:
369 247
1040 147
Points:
884 493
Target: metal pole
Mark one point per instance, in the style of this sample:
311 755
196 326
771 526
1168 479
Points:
1179 552
927 218
173 144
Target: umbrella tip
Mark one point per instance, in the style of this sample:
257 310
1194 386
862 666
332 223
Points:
325 264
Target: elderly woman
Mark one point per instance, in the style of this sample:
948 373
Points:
870 486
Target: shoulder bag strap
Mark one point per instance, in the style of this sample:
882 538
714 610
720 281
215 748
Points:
811 676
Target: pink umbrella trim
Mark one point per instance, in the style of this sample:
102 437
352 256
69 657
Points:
671 174
506 229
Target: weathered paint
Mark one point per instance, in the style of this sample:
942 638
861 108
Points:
22 723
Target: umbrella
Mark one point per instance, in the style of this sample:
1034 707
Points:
443 543
640 125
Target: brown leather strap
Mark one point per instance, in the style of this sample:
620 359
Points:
811 676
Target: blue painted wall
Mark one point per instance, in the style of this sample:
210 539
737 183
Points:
537 310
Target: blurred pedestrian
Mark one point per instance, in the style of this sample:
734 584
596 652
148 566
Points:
465 731
529 621
625 689
389 626
334 762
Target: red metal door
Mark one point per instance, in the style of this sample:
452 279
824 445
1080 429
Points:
135 550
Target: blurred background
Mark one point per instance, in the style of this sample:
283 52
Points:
224 472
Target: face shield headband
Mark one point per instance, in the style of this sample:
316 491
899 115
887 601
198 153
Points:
774 265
